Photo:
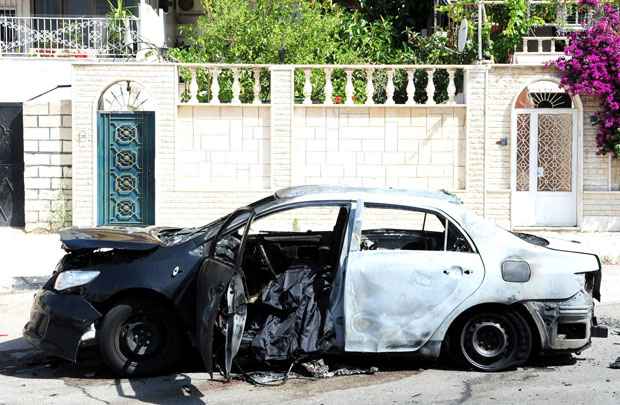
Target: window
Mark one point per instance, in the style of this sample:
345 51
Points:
7 33
301 219
401 228
78 7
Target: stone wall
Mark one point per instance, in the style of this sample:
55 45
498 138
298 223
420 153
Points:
226 148
380 146
211 159
47 164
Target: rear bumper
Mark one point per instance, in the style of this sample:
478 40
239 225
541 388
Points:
566 325
57 323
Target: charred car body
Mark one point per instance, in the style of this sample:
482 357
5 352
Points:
314 270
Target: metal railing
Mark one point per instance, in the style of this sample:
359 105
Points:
569 16
79 37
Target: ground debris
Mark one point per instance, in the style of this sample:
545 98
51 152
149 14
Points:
319 369
616 364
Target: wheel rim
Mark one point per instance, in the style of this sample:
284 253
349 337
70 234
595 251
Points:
141 337
488 342
489 339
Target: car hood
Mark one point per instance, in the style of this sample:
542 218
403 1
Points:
126 238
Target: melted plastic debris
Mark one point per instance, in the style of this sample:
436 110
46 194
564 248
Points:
319 369
268 378
298 370
316 368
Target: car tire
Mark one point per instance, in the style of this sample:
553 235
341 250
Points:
139 338
494 341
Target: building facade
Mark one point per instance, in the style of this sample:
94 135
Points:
122 141
146 148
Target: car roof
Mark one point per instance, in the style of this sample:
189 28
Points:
378 194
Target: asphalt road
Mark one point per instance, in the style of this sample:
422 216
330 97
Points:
28 377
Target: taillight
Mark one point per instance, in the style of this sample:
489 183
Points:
593 284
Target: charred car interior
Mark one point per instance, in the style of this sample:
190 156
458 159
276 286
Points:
313 271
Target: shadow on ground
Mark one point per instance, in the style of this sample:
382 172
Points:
19 360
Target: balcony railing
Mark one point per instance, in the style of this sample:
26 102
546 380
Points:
540 50
79 37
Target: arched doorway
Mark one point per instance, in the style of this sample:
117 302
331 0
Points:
125 156
544 157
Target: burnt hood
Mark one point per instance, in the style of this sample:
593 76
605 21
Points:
126 238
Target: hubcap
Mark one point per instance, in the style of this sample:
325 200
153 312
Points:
489 339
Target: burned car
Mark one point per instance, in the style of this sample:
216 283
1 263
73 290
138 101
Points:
316 270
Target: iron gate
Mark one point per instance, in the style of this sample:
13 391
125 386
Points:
126 156
11 165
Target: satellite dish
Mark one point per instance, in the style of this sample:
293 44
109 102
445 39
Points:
462 36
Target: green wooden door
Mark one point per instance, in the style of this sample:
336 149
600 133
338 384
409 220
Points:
126 168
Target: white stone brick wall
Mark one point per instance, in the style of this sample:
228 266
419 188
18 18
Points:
596 167
475 82
282 96
379 146
222 148
601 211
47 164
198 148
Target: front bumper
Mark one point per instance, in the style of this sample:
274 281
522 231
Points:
57 323
566 325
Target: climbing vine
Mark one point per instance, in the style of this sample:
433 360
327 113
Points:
591 67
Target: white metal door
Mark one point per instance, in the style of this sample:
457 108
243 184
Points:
545 160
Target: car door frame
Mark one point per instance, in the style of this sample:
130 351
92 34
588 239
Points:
215 281
352 319
216 277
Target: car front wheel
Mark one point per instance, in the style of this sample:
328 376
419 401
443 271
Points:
495 341
139 338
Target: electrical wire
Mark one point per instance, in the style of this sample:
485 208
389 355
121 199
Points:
276 382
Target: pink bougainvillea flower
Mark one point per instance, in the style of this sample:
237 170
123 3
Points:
591 67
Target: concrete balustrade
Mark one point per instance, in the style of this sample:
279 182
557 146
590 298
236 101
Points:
541 41
190 89
352 97
201 84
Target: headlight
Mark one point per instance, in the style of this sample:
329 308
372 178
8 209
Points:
581 279
68 279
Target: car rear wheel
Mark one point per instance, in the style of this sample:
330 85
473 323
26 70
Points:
493 341
139 338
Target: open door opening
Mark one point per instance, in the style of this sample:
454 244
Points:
264 288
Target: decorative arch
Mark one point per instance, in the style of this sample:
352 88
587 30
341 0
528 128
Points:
124 95
545 93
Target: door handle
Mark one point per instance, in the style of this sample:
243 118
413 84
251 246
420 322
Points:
458 270
455 270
